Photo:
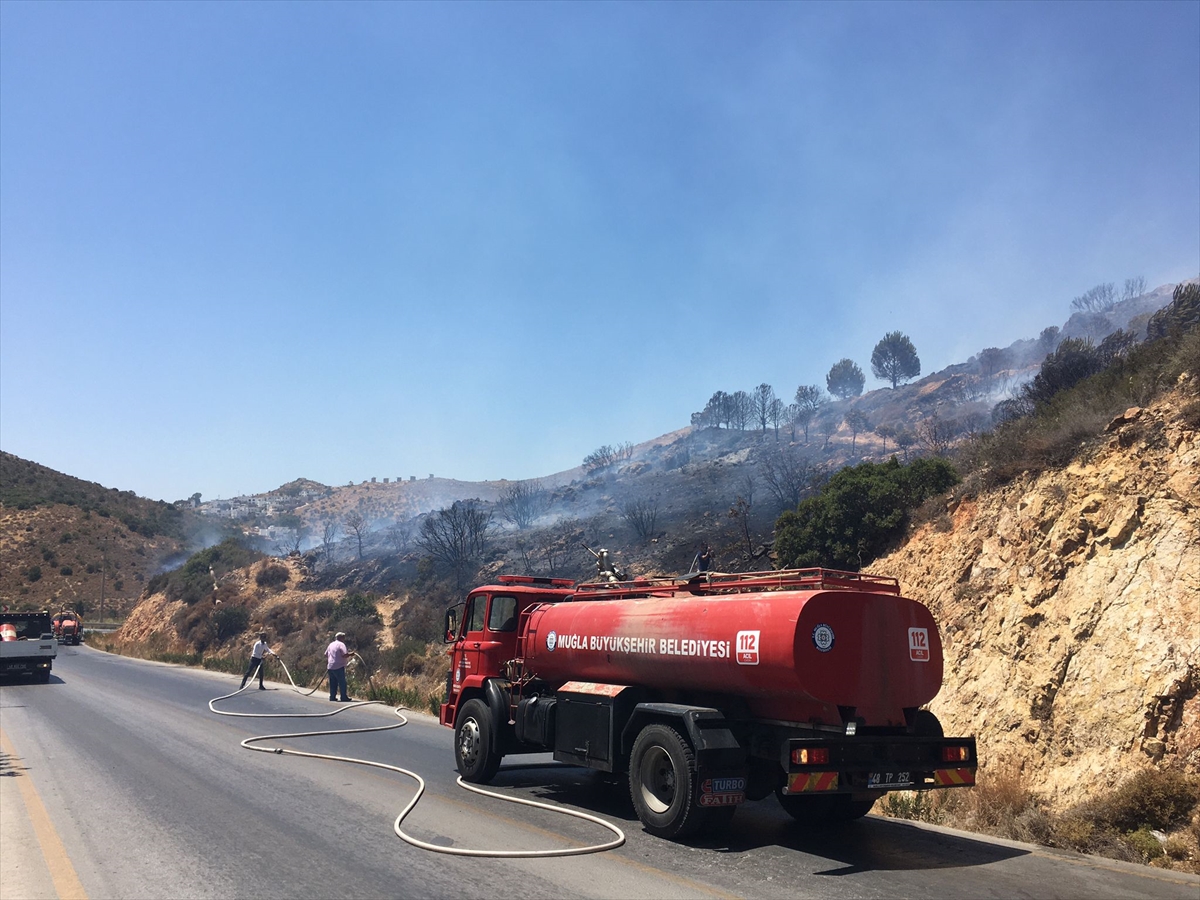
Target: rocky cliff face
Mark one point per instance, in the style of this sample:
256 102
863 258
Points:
1069 606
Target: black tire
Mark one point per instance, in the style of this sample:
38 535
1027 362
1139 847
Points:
807 809
847 810
477 761
42 677
662 783
823 809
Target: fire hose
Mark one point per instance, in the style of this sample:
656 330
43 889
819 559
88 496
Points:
249 743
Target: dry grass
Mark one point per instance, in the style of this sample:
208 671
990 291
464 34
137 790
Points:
1153 817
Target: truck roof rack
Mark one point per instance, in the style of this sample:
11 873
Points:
537 579
740 582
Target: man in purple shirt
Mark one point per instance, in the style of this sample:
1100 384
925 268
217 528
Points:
335 656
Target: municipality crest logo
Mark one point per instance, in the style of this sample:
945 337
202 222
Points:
822 637
552 641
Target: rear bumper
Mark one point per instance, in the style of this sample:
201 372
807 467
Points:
857 765
25 665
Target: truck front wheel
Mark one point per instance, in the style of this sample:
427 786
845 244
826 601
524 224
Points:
662 783
477 761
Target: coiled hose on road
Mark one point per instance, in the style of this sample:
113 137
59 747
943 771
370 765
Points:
400 833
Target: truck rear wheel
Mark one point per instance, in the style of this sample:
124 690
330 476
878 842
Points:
818 809
477 761
810 809
847 810
662 783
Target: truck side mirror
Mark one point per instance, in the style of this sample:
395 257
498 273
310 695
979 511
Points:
451 625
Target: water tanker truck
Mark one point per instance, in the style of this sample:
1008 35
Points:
708 690
67 627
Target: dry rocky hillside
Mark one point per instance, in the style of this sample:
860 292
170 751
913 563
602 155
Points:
1068 606
279 595
54 557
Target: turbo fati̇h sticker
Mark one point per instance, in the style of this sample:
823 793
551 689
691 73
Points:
552 641
822 638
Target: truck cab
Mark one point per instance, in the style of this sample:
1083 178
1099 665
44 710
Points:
482 632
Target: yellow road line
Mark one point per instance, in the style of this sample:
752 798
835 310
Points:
66 882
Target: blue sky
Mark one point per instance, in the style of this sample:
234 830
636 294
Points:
243 243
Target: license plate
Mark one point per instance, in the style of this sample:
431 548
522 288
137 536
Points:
889 779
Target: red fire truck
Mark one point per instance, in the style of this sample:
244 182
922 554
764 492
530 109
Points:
708 690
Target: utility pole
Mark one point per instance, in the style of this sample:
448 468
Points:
103 572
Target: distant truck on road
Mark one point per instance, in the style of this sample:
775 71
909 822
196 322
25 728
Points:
67 627
27 645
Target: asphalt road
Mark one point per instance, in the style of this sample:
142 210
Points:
150 795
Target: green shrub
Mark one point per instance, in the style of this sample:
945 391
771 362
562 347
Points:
1153 798
272 575
66 570
409 698
196 629
230 664
230 621
1144 844
356 605
1177 849
858 513
193 581
1072 361
406 658
918 806
423 615
1001 799
1187 358
34 573
282 620
1072 832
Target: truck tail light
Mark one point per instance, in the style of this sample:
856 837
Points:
955 753
810 756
